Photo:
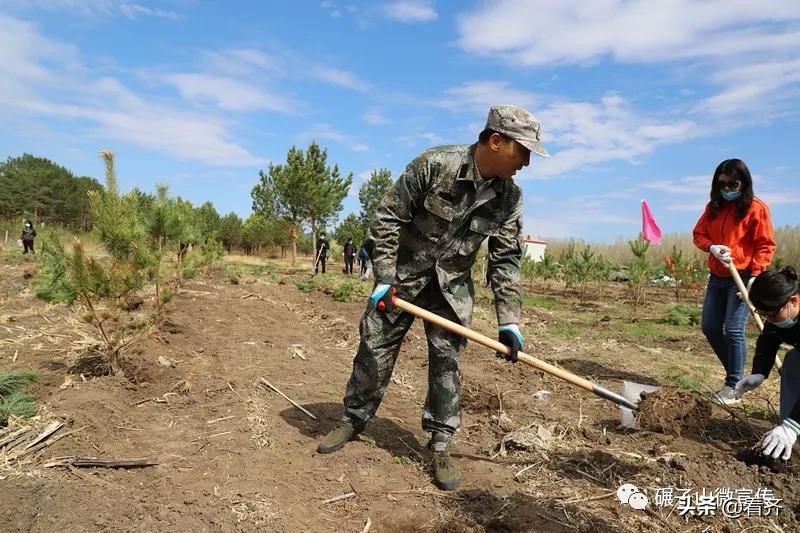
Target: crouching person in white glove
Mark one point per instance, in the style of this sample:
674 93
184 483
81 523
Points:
775 297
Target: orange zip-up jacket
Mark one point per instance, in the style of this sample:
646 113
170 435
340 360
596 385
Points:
751 240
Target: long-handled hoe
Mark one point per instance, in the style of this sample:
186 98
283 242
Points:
627 402
743 292
316 261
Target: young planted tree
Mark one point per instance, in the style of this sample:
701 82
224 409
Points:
548 268
583 268
680 268
640 272
303 191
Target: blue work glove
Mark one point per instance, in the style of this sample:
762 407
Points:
778 441
381 298
511 337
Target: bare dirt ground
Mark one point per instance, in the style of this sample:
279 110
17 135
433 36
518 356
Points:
537 454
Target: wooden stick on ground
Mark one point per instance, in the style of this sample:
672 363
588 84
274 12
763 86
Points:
112 463
340 497
271 386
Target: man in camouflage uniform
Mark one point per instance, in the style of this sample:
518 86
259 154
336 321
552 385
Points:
425 236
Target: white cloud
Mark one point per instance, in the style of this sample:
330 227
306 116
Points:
44 79
479 96
698 186
789 197
547 32
586 134
375 117
99 8
411 11
326 131
432 138
340 77
227 93
242 62
756 90
578 216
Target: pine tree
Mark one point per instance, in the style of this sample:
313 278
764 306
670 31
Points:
640 271
371 193
304 191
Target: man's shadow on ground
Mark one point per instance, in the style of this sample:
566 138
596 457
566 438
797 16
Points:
387 435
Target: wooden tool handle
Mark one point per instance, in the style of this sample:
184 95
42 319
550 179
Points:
746 297
498 346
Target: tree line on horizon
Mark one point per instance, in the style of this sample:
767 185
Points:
292 203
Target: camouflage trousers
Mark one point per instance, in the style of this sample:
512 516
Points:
377 354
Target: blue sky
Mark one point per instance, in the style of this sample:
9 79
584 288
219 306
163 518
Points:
637 98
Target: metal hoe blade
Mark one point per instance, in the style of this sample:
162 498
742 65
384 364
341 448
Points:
632 392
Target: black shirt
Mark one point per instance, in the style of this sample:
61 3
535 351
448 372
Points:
767 346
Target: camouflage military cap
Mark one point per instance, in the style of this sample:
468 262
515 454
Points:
518 124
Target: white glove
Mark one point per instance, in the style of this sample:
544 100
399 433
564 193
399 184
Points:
748 383
778 441
721 252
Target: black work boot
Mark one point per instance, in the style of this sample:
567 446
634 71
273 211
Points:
338 437
446 474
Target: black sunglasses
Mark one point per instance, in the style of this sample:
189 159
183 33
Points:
729 185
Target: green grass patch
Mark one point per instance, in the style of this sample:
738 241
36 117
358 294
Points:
306 286
402 460
647 330
12 402
544 302
566 330
369 442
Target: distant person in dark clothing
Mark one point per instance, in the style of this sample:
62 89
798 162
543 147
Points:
349 256
28 234
363 259
321 253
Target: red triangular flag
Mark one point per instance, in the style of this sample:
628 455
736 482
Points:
650 230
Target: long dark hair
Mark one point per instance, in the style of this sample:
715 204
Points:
737 170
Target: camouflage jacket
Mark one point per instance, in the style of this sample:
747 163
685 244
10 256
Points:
432 224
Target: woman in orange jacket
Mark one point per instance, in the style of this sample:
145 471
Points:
735 227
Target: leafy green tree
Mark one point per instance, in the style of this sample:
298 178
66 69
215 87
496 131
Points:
256 234
37 188
370 194
350 228
208 220
304 191
230 231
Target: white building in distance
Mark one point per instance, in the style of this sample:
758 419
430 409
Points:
534 248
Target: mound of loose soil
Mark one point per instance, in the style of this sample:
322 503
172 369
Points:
673 412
